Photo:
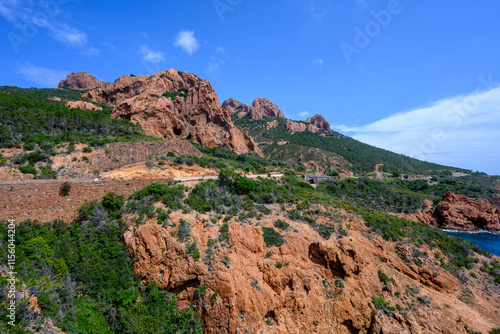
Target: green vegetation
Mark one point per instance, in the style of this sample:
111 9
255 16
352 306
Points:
374 194
281 224
272 238
28 170
363 157
460 252
83 277
380 304
27 116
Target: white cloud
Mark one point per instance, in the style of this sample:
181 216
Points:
186 40
318 62
150 56
68 35
44 77
461 131
22 13
304 114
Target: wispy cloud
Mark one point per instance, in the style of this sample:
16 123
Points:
304 114
461 131
150 56
185 40
42 76
318 62
22 13
217 59
362 3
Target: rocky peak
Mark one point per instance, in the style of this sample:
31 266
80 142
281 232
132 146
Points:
259 109
320 122
82 81
172 103
264 107
233 106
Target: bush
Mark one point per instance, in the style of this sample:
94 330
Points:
281 224
65 189
28 170
271 237
169 195
113 203
87 149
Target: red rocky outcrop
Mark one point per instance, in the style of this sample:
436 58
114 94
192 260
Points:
82 105
172 103
457 212
82 81
320 122
234 106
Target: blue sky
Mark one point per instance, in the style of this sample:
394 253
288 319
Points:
418 77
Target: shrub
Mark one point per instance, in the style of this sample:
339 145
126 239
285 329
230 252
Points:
65 189
193 251
87 149
281 224
113 203
184 230
271 237
224 233
383 277
28 170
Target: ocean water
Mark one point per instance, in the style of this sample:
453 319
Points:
486 241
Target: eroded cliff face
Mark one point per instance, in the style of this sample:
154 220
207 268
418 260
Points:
260 108
82 81
320 122
306 285
172 103
458 212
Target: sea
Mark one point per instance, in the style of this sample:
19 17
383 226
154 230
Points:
485 240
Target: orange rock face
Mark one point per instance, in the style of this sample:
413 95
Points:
307 285
320 122
172 103
457 212
264 107
234 106
82 105
82 81
293 127
259 109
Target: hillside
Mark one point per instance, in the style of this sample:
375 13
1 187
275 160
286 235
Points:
362 157
149 209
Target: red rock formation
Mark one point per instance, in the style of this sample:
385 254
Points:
82 105
82 81
320 122
293 127
172 103
322 286
272 125
264 107
234 106
457 212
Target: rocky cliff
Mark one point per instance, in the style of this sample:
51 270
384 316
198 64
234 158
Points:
457 212
259 109
320 122
306 285
234 106
82 81
172 103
